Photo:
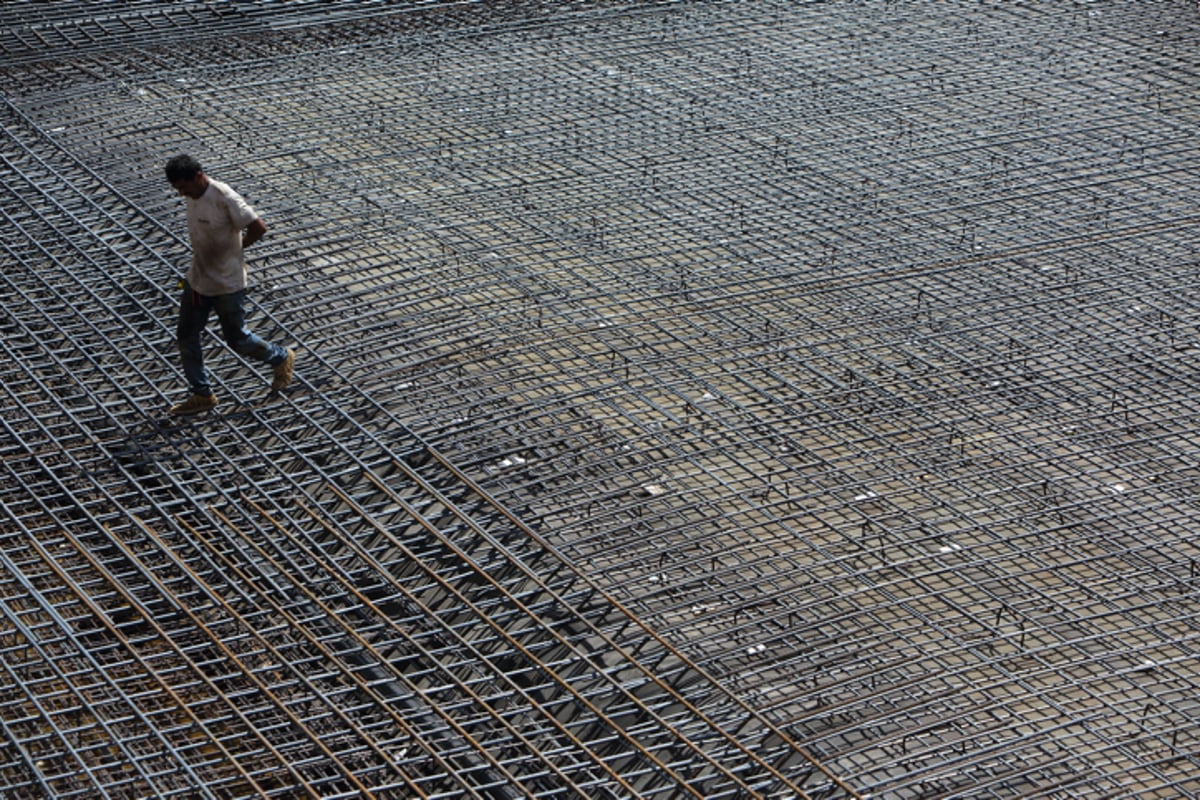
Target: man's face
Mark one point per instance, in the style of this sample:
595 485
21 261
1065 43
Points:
192 187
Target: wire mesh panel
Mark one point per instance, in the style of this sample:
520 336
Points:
693 399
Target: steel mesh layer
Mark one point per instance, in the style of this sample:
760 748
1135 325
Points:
693 399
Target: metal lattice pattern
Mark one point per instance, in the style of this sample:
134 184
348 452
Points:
351 614
705 399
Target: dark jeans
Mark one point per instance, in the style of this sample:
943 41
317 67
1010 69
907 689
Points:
194 310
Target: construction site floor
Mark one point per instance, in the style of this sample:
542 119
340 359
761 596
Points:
693 399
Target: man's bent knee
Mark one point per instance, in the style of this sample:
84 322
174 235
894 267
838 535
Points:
252 348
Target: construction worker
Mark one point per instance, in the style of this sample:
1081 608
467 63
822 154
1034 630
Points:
221 224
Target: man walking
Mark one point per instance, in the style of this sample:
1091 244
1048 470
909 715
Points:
220 226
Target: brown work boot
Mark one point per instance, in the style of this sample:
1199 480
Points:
194 405
283 372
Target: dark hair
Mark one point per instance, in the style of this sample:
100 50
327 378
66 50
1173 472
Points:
182 168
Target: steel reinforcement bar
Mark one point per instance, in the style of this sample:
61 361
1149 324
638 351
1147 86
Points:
708 399
298 599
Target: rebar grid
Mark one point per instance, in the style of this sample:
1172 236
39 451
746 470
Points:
398 659
795 398
368 641
33 32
